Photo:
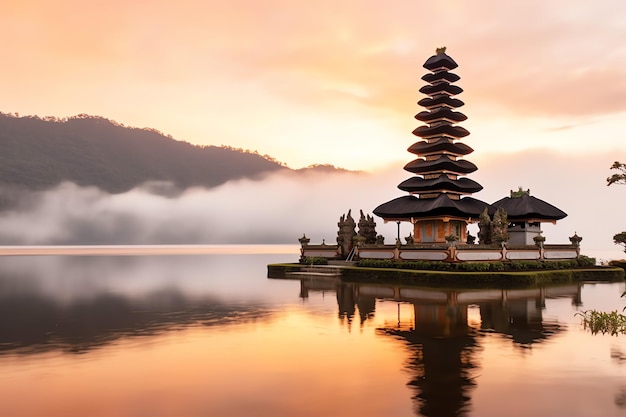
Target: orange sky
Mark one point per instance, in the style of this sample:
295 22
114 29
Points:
326 81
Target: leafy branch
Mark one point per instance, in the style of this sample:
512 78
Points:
619 178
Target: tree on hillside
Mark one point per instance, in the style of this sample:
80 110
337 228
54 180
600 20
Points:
617 178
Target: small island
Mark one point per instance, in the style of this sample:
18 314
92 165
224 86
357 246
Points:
439 206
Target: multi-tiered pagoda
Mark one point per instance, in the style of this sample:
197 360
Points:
438 206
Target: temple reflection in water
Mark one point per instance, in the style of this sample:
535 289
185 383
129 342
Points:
443 329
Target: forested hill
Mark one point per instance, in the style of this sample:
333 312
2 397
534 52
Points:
40 153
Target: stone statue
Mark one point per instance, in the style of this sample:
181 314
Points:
575 239
346 233
500 226
367 228
494 230
304 240
484 228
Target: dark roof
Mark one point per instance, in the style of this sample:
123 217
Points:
441 113
529 207
443 163
432 102
440 145
450 89
410 206
434 77
453 131
440 61
461 185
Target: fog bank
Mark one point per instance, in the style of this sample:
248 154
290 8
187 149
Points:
277 209
283 206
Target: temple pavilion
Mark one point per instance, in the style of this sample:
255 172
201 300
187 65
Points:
439 203
525 213
438 200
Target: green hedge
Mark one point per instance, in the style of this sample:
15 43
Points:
311 260
494 266
525 265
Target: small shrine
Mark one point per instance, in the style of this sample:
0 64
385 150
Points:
438 205
525 213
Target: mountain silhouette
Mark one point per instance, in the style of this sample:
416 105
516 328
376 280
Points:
40 153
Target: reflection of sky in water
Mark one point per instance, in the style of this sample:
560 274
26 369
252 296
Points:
66 278
209 334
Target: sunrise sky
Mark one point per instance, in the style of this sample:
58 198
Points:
325 81
337 82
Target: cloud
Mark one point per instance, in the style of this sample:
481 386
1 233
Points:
533 57
561 127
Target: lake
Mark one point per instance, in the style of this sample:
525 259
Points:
201 331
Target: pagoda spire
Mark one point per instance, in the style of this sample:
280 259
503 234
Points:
439 167
439 186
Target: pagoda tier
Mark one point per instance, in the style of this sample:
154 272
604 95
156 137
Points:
409 207
436 207
440 146
442 164
441 114
431 102
440 62
441 88
441 76
444 184
439 130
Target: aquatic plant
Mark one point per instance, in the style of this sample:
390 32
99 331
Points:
612 323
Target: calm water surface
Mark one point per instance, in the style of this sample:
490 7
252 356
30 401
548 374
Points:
202 331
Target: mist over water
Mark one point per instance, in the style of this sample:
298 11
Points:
276 209
282 207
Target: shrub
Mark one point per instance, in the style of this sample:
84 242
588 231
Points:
569 264
311 260
620 263
417 265
473 266
377 263
526 265
583 260
493 266
496 266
